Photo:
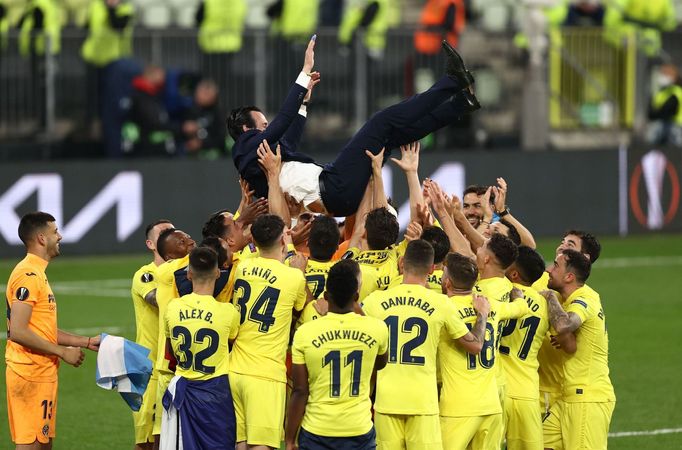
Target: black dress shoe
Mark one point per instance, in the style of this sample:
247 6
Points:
455 68
468 101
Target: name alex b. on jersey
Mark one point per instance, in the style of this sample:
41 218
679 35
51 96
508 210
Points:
195 314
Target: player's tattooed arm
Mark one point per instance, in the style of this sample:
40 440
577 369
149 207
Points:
473 340
150 298
562 321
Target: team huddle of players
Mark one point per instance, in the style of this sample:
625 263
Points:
455 337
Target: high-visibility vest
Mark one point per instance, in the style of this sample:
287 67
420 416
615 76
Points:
222 27
4 26
644 19
375 32
298 20
431 30
51 28
105 44
664 94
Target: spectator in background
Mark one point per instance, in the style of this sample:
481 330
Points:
646 18
665 111
4 26
439 20
221 24
331 12
150 130
294 20
205 130
585 13
110 38
370 16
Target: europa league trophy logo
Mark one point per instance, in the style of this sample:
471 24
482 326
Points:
655 168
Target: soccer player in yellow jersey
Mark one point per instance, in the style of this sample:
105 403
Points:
197 329
470 409
441 246
173 246
520 341
552 360
381 232
581 418
266 293
406 407
143 291
333 361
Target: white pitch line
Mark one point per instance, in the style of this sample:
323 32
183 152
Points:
645 433
638 261
84 331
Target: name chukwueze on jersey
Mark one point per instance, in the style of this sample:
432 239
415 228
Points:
335 335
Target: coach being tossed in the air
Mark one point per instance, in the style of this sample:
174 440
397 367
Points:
338 187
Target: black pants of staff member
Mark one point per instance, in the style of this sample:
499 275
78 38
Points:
343 182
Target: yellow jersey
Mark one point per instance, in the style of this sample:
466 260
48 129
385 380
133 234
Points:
339 351
266 292
541 284
551 359
433 282
469 381
146 315
383 262
199 328
519 345
415 316
586 372
165 292
496 289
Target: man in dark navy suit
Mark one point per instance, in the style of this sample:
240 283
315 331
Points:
338 187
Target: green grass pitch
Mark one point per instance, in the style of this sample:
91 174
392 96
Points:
639 280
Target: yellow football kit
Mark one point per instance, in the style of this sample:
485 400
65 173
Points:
433 282
199 328
147 326
383 262
407 396
165 292
581 418
520 342
470 407
339 351
266 292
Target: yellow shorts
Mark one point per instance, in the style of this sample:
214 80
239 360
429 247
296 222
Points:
523 424
397 431
31 408
259 405
547 400
502 393
578 426
479 432
144 418
162 383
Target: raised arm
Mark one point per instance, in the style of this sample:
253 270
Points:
409 164
360 218
503 212
475 238
379 199
272 165
562 321
472 342
458 242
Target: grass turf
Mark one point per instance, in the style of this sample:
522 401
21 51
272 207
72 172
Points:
641 301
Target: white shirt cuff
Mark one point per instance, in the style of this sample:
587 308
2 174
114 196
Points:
302 111
303 79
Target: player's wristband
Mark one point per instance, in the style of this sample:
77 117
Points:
88 345
504 212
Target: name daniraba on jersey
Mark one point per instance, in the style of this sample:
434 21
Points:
408 301
336 335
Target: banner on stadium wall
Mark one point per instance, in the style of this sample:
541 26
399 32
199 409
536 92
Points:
104 206
652 186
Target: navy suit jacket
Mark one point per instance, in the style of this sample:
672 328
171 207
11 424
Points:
286 129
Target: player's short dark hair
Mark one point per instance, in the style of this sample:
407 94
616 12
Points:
215 225
439 241
151 226
418 257
162 242
590 244
382 229
530 264
342 282
475 189
203 261
266 230
504 249
33 222
513 232
324 238
214 242
462 271
239 117
578 264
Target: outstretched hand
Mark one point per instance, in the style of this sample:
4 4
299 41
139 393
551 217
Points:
409 159
309 60
377 160
269 161
314 80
